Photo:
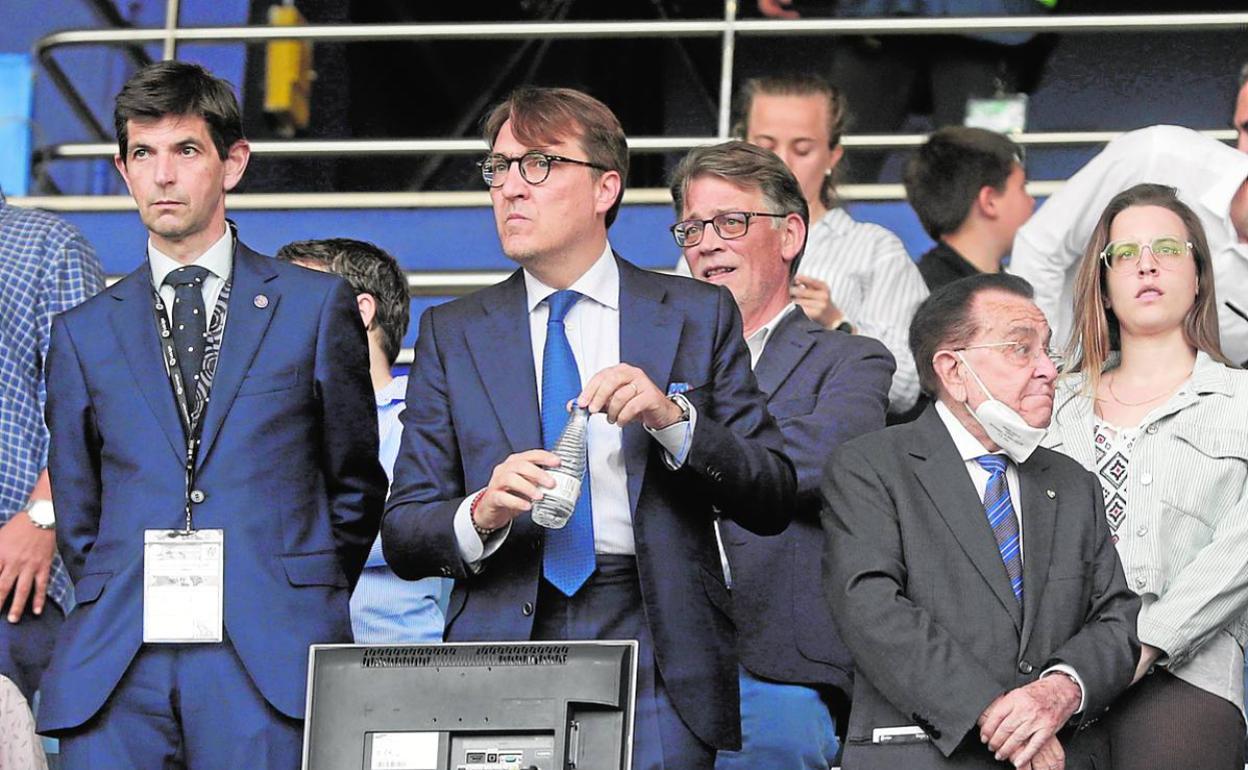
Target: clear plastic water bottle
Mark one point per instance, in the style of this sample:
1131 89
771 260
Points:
556 505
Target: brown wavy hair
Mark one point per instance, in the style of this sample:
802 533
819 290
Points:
1096 333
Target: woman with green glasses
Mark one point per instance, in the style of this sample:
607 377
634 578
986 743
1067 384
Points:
1152 406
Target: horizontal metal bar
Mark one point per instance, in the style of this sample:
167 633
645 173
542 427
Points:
644 144
1189 22
640 196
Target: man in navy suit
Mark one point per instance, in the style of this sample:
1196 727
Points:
214 462
743 223
638 558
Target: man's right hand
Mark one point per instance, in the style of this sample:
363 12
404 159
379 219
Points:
25 564
1051 756
515 485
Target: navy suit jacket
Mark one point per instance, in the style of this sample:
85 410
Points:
287 466
823 388
472 401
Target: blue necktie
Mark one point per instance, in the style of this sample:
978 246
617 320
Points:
568 559
1003 521
190 327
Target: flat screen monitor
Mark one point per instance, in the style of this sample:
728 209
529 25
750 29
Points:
477 706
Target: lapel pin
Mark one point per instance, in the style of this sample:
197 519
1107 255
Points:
1050 493
260 301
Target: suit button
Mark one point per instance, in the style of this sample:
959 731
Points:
446 571
197 496
1025 667
527 609
934 733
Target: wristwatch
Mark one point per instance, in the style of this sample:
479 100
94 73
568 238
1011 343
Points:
41 514
679 400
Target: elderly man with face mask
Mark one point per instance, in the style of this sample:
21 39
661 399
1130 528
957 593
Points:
971 572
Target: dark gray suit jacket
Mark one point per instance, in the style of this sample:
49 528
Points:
921 596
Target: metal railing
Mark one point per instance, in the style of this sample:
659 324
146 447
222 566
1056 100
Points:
730 27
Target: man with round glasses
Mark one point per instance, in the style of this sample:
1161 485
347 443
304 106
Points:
1210 177
679 434
743 226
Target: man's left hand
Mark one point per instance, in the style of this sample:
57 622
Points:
626 394
1148 656
1019 723
25 564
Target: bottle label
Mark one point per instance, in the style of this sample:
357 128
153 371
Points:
567 487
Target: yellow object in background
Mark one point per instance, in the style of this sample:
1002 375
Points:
288 75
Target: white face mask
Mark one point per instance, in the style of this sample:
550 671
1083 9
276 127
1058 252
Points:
1006 427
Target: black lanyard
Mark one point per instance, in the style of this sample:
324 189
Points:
192 424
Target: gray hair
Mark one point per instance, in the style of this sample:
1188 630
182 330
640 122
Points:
745 165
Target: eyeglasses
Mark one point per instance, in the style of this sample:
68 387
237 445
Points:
1021 353
729 225
1124 255
534 167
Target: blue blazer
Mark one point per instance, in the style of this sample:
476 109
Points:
287 466
823 388
472 401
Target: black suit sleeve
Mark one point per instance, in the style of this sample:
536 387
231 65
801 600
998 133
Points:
736 455
1105 651
354 480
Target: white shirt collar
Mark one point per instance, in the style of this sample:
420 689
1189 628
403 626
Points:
218 259
601 283
968 446
758 340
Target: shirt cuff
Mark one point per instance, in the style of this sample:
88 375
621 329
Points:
676 440
1062 668
472 549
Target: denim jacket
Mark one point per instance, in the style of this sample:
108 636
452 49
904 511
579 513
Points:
1184 542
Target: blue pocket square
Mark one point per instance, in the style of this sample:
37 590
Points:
677 387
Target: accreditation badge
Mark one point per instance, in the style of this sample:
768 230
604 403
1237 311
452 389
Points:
183 586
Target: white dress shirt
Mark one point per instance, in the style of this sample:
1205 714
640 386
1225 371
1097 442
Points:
1206 173
218 259
593 330
969 448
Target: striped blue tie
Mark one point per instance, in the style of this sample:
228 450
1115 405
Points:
1003 521
568 559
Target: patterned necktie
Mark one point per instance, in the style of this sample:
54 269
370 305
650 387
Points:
568 559
1003 521
190 327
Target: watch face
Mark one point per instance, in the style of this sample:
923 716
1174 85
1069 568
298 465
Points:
41 513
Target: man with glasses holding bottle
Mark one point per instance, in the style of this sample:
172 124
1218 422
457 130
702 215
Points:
743 226
970 571
679 435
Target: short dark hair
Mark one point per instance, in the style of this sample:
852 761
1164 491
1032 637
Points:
945 175
369 269
181 89
744 165
541 116
944 319
798 84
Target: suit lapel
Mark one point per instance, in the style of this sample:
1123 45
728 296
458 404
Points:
943 475
134 328
788 346
502 351
649 335
245 326
1039 516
